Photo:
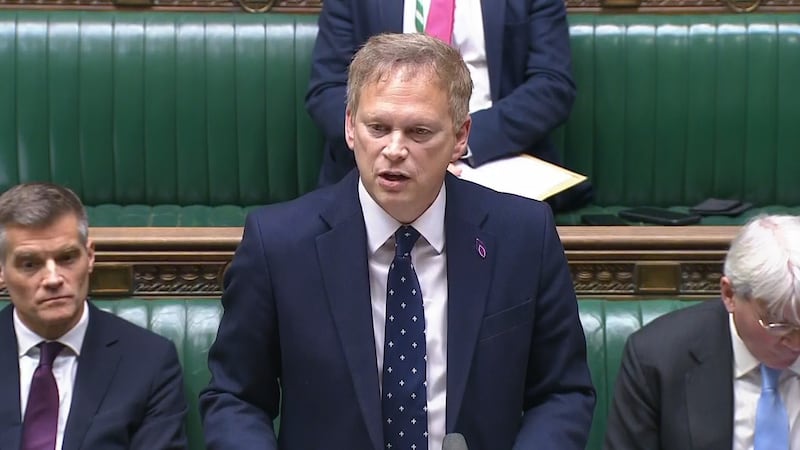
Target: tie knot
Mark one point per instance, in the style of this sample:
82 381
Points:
769 377
48 352
404 239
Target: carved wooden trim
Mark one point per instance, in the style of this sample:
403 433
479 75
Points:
314 6
607 262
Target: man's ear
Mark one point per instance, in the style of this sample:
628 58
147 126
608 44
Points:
462 139
349 128
90 254
727 293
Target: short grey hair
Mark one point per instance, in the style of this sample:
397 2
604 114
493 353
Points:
38 205
764 263
411 55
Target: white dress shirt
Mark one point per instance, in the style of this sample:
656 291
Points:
747 390
65 365
430 263
468 39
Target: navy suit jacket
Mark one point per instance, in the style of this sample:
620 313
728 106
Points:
530 76
296 335
674 390
128 391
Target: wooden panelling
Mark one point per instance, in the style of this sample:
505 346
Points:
605 262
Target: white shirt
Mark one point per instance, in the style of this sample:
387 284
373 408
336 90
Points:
65 365
747 390
468 39
430 263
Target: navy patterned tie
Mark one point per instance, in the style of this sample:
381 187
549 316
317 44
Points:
405 410
41 415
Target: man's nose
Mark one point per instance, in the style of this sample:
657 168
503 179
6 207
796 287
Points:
51 277
396 147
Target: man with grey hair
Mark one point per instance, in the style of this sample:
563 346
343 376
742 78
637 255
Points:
73 376
721 374
328 323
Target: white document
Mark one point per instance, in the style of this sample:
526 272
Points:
522 175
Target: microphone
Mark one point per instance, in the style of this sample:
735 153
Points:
454 441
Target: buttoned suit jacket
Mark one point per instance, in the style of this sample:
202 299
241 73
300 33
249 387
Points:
296 335
674 390
530 76
128 391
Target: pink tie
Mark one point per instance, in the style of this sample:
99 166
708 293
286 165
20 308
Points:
440 20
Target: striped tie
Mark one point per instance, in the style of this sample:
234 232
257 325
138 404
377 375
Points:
419 18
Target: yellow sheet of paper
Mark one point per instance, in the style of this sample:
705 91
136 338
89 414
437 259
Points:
522 175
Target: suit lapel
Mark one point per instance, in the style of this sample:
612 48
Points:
470 262
97 365
342 256
709 389
493 12
10 415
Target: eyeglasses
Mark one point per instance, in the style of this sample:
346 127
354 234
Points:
779 329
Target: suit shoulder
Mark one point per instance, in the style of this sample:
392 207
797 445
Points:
682 327
510 206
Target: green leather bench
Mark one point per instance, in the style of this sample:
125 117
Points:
192 325
191 119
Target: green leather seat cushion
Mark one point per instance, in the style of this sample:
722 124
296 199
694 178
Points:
234 216
574 217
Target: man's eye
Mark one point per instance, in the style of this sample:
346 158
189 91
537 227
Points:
29 264
67 258
422 131
376 128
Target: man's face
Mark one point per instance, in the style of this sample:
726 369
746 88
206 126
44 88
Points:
46 271
774 351
403 139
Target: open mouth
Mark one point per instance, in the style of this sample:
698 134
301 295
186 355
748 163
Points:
394 177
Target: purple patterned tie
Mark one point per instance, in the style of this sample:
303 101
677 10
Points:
41 416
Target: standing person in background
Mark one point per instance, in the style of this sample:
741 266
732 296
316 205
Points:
328 323
518 55
74 377
721 374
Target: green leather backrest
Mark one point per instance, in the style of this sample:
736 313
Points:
672 109
192 325
158 108
607 325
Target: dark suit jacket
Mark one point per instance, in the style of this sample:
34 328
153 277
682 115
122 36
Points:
128 391
674 390
298 322
530 76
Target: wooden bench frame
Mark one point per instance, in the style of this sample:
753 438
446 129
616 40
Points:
608 262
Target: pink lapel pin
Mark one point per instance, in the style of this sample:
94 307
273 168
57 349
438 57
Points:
480 248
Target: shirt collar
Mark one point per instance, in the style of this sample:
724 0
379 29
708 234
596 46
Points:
73 339
744 362
381 226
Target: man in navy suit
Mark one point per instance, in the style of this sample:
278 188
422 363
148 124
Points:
694 378
519 59
110 385
305 331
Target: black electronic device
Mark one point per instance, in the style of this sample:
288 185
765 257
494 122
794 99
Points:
659 216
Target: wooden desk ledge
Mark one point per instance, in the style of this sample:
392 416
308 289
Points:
609 262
